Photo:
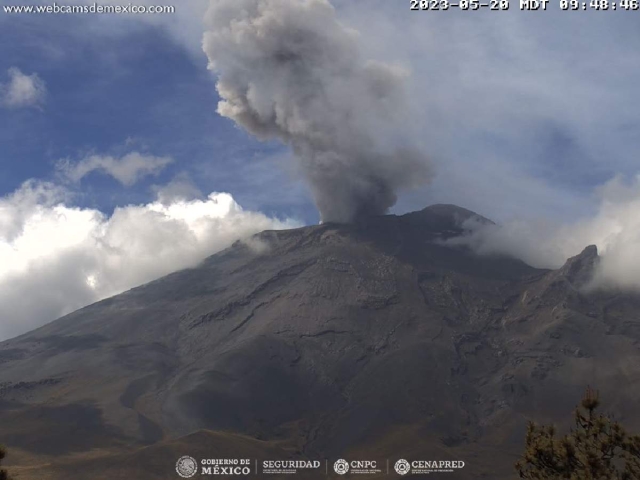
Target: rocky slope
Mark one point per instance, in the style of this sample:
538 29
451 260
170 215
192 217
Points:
363 340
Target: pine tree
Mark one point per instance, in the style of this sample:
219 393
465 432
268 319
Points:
598 448
3 473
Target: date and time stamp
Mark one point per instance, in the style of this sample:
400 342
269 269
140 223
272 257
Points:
567 5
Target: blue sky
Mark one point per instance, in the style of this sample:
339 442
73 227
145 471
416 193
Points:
523 116
131 88
114 85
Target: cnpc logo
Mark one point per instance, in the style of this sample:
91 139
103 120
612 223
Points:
357 466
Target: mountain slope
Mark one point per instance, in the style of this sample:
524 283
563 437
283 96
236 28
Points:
330 340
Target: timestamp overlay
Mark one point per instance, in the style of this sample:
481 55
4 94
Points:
567 5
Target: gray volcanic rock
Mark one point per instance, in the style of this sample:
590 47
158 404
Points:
370 339
579 270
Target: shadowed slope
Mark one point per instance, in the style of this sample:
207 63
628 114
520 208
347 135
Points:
330 340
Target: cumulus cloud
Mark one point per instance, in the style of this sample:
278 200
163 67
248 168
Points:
22 90
57 258
179 188
289 70
614 229
127 170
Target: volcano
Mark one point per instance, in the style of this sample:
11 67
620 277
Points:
370 340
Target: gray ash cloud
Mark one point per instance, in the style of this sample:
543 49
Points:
289 70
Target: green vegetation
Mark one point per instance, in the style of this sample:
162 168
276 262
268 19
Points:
598 448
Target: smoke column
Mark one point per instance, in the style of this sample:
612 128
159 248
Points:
288 70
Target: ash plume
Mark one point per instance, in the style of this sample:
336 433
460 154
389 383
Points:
288 70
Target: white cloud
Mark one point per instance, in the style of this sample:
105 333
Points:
179 188
614 229
128 169
57 258
518 114
491 93
22 90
